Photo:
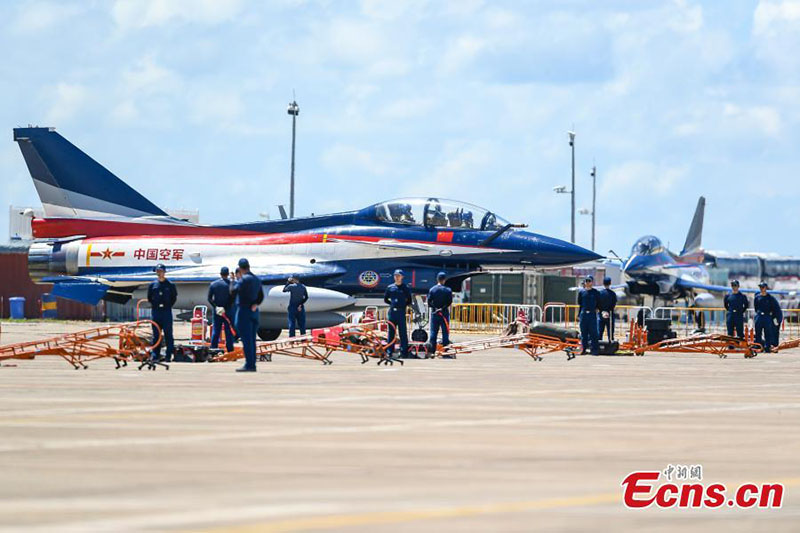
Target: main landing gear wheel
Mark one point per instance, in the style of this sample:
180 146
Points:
268 334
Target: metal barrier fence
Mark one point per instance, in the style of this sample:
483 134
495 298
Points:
712 319
489 318
493 318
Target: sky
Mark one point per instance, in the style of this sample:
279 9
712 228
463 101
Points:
471 100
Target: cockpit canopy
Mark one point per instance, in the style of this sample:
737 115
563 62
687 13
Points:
433 212
647 245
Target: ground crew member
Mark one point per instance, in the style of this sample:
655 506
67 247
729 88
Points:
736 307
237 277
440 297
587 309
221 301
607 303
768 318
162 294
298 296
250 295
398 296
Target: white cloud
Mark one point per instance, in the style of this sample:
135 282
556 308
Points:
638 179
460 166
459 53
770 16
33 17
406 108
763 118
216 106
137 14
342 158
65 99
141 91
776 33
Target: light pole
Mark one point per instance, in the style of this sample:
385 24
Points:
293 110
562 189
572 192
593 212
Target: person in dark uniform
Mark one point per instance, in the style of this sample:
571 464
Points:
606 304
736 305
237 277
162 294
221 302
768 318
298 296
587 309
440 297
250 295
398 296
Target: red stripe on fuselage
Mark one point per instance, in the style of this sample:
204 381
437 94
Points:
122 231
58 228
266 239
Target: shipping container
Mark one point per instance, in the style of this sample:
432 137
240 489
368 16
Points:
14 281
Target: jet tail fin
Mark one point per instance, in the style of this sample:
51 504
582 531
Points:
695 236
72 184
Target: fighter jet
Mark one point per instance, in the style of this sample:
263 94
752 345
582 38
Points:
652 270
100 240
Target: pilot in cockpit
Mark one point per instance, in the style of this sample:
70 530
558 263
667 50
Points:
401 213
436 215
466 219
454 218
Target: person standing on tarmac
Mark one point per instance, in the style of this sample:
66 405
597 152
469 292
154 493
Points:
298 296
587 309
607 302
250 295
398 296
440 297
162 295
221 301
736 305
768 318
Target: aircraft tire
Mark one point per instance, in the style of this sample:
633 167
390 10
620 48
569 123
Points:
268 334
551 330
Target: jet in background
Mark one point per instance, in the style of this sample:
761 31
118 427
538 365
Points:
100 240
653 270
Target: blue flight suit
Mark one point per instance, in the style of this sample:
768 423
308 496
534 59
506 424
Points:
162 296
399 298
587 309
249 292
219 295
736 305
440 298
235 300
606 302
298 295
768 311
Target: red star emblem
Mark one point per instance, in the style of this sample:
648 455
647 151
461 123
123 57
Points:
107 253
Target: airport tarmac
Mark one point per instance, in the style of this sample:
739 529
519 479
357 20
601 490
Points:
492 441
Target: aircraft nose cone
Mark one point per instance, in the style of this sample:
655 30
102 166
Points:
555 252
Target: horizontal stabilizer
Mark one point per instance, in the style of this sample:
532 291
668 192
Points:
88 292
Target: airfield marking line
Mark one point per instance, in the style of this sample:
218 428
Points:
393 517
354 398
40 444
410 515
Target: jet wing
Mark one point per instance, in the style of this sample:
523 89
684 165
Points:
273 272
119 286
688 284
